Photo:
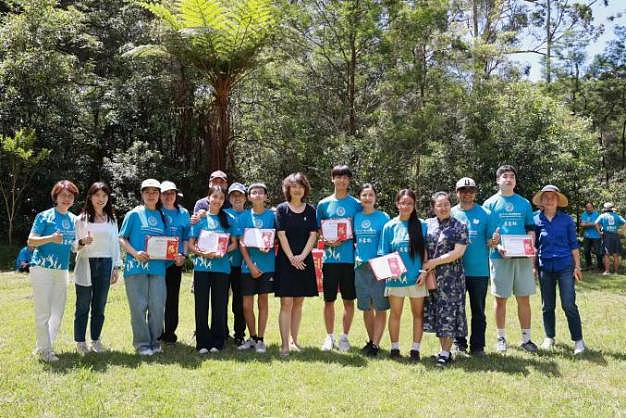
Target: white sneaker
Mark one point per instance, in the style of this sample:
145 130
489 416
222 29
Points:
81 348
145 352
97 347
344 344
606 273
47 356
214 350
260 347
501 345
329 342
548 344
248 344
579 347
203 351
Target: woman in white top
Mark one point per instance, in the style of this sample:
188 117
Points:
97 264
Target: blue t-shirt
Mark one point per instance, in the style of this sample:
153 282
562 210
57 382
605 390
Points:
333 208
367 229
24 256
476 257
53 255
395 237
512 214
235 258
139 224
590 231
555 239
265 261
610 221
212 223
178 225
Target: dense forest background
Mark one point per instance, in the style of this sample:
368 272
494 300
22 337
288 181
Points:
408 93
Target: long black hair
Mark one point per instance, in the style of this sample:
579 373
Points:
90 211
222 213
416 237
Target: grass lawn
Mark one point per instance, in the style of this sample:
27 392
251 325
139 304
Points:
180 382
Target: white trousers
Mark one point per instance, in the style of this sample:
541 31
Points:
49 294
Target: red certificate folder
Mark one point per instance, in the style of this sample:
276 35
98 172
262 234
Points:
318 257
337 229
162 248
388 266
213 242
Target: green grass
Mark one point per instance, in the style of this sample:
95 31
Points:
179 382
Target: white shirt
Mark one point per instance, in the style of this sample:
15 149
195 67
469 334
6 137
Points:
105 245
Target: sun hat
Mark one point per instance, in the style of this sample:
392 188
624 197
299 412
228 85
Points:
150 183
562 200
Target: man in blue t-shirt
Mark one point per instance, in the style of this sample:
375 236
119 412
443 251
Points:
22 262
475 262
591 237
338 267
510 214
609 224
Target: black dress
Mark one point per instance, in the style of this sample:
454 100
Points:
291 282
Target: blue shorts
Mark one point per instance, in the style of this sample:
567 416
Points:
370 293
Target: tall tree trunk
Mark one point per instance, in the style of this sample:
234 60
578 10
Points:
548 42
475 17
220 125
624 145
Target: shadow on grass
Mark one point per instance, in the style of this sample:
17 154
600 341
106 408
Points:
510 363
590 355
615 283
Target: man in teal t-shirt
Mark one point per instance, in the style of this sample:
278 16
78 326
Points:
510 214
609 224
338 267
475 262
591 237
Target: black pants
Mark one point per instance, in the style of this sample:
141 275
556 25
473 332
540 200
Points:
172 283
237 304
595 246
210 289
477 290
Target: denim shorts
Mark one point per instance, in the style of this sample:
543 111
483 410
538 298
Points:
370 293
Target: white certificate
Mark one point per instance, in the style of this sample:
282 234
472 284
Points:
518 245
387 266
259 238
213 242
162 248
339 229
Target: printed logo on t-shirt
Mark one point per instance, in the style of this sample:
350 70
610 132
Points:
366 224
508 206
210 222
476 221
258 223
66 224
169 219
341 211
611 220
152 221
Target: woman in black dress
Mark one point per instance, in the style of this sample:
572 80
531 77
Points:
296 228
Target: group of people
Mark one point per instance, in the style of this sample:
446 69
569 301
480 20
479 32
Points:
457 251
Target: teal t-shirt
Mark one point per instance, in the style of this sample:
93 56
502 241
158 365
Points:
590 231
512 214
212 223
367 229
610 222
395 237
333 208
265 261
53 255
178 225
139 224
476 257
235 258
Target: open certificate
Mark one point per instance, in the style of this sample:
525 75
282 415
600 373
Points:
387 266
213 242
339 229
259 238
162 248
518 245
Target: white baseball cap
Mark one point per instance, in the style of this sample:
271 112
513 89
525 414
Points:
150 183
465 182
167 186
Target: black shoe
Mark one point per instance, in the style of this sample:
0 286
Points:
443 361
415 355
374 349
529 347
238 341
367 348
395 353
477 353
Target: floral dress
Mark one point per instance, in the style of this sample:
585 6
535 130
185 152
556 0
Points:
444 311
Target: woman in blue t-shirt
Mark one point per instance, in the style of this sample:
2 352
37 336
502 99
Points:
210 274
405 234
144 277
53 234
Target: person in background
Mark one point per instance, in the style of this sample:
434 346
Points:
178 225
370 292
22 262
97 265
559 263
592 242
237 200
52 235
145 278
217 178
338 264
608 225
475 263
296 228
446 240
